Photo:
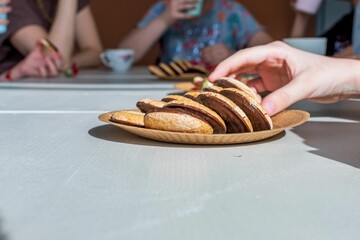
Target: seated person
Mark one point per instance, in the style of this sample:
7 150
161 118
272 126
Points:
223 28
64 22
340 36
303 10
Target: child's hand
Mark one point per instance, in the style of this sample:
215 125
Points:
213 55
176 9
36 64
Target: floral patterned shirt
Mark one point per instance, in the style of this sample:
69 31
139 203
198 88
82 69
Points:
228 22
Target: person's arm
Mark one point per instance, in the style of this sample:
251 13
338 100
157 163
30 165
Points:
303 10
142 39
62 32
88 40
260 38
292 75
300 24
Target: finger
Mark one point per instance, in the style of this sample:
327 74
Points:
258 84
181 15
282 98
42 72
58 60
247 58
245 69
186 6
51 67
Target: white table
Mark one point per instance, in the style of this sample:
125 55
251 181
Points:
66 175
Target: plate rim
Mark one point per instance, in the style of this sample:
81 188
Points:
105 117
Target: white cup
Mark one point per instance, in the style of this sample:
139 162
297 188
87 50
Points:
119 60
308 6
197 10
315 45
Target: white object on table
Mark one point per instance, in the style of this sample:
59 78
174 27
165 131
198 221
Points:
308 6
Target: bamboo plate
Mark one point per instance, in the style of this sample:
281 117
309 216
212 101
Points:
183 77
284 120
184 86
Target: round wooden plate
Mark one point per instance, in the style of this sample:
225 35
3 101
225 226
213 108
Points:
183 77
284 120
184 86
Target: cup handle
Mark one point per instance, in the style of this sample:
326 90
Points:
105 59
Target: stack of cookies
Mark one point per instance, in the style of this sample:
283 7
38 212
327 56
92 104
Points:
227 107
177 69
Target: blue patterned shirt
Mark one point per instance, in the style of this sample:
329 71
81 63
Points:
228 22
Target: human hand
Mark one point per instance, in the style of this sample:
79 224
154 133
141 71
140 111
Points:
176 9
213 55
38 63
4 8
292 75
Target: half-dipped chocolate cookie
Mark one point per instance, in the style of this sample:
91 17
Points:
167 69
155 70
147 104
171 97
255 112
215 121
235 119
234 83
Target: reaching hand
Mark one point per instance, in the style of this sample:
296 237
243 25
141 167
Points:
292 75
213 55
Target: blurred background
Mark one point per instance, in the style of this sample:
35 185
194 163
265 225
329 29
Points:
120 17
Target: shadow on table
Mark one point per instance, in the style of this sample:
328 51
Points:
115 134
349 109
2 234
338 141
334 140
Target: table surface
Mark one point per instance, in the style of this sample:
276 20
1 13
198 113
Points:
66 175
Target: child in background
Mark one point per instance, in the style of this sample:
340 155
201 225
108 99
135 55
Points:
223 28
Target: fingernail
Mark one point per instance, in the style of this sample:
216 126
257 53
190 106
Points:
269 107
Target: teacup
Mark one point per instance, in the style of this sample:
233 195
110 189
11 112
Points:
197 10
315 45
308 6
119 60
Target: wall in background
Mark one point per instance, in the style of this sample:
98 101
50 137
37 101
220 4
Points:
115 18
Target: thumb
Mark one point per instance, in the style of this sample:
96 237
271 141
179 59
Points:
282 98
